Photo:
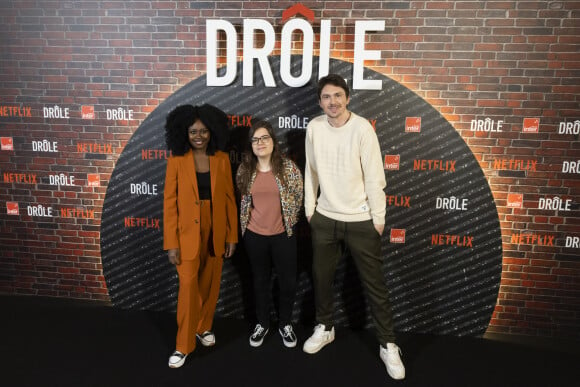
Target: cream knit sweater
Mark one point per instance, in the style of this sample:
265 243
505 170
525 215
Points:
346 164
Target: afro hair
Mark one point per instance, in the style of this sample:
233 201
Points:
182 117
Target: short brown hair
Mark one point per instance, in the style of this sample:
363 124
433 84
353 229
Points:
332 79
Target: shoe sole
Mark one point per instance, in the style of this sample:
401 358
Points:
256 344
396 377
287 344
178 364
316 349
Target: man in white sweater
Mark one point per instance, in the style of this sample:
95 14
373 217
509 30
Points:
343 160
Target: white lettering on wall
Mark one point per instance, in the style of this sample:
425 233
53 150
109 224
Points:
251 54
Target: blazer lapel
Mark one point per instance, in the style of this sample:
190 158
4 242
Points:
190 172
213 173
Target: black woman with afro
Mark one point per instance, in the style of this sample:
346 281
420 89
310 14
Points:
200 225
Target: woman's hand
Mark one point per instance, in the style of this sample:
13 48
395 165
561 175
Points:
230 248
174 257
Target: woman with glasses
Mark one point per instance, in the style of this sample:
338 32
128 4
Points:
200 220
271 186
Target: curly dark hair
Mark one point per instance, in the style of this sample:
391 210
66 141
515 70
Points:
182 117
249 159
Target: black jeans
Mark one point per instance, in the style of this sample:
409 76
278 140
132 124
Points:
263 250
364 244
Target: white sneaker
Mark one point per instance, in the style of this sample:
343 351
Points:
176 359
207 338
392 359
319 339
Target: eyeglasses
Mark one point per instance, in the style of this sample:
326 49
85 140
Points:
264 139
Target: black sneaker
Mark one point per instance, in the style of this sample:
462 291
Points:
288 336
257 337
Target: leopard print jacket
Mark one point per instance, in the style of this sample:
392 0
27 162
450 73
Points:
291 196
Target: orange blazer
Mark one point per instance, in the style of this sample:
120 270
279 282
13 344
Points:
181 207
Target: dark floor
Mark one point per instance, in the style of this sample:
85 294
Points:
56 342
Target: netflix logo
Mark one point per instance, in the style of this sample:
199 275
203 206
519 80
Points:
155 154
452 240
434 165
89 147
22 178
242 120
533 239
398 201
515 165
78 213
15 111
146 223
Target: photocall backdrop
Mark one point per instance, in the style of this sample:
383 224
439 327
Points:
442 288
482 187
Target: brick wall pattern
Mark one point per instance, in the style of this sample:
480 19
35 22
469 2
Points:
77 78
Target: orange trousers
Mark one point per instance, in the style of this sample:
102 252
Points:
199 286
